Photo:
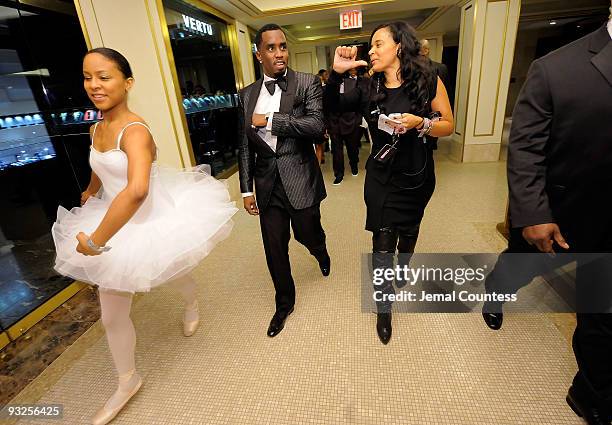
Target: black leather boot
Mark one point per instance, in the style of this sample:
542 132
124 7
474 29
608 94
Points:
405 249
384 243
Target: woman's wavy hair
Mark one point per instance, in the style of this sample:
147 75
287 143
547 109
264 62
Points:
415 73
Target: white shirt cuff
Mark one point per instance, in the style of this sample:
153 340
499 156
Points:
247 194
269 125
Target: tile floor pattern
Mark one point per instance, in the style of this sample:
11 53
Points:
327 366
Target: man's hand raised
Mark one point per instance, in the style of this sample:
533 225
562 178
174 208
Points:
344 59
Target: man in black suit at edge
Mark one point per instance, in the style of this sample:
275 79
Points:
559 177
282 119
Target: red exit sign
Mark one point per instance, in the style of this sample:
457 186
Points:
350 19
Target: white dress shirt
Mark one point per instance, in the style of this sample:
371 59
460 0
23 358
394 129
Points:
610 24
342 83
267 104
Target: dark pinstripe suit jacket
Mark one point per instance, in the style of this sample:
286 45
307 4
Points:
297 125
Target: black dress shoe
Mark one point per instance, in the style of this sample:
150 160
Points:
591 414
492 315
338 180
325 265
354 170
493 320
278 323
383 327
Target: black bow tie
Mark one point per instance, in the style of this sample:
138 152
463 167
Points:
281 81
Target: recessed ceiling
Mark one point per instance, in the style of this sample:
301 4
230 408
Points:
329 27
274 6
323 15
325 22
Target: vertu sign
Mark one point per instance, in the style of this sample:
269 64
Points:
196 25
350 19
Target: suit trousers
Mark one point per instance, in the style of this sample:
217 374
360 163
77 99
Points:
351 141
276 220
592 340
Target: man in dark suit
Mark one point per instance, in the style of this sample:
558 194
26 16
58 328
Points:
441 71
559 176
345 130
282 119
440 68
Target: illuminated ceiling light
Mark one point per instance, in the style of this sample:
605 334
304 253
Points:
308 27
553 22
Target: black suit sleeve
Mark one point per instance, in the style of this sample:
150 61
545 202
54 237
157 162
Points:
351 101
246 155
308 126
530 132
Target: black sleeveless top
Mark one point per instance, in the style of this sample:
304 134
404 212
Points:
412 153
396 194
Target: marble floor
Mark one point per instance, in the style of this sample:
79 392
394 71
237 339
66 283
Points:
327 366
26 358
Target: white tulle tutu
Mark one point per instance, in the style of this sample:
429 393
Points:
185 215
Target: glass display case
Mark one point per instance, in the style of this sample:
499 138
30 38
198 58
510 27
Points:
205 72
44 145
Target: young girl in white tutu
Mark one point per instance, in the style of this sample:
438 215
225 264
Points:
139 225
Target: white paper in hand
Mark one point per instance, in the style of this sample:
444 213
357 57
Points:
390 124
383 126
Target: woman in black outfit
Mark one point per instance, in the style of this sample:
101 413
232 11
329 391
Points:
396 191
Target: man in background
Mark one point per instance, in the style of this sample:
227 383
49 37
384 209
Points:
440 68
345 130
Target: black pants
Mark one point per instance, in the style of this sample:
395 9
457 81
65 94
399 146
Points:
592 341
275 221
351 141
366 134
385 242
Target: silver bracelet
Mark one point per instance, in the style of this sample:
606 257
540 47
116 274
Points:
429 127
97 248
426 129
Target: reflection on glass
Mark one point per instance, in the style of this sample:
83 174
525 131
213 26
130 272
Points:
195 103
256 65
44 143
206 75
